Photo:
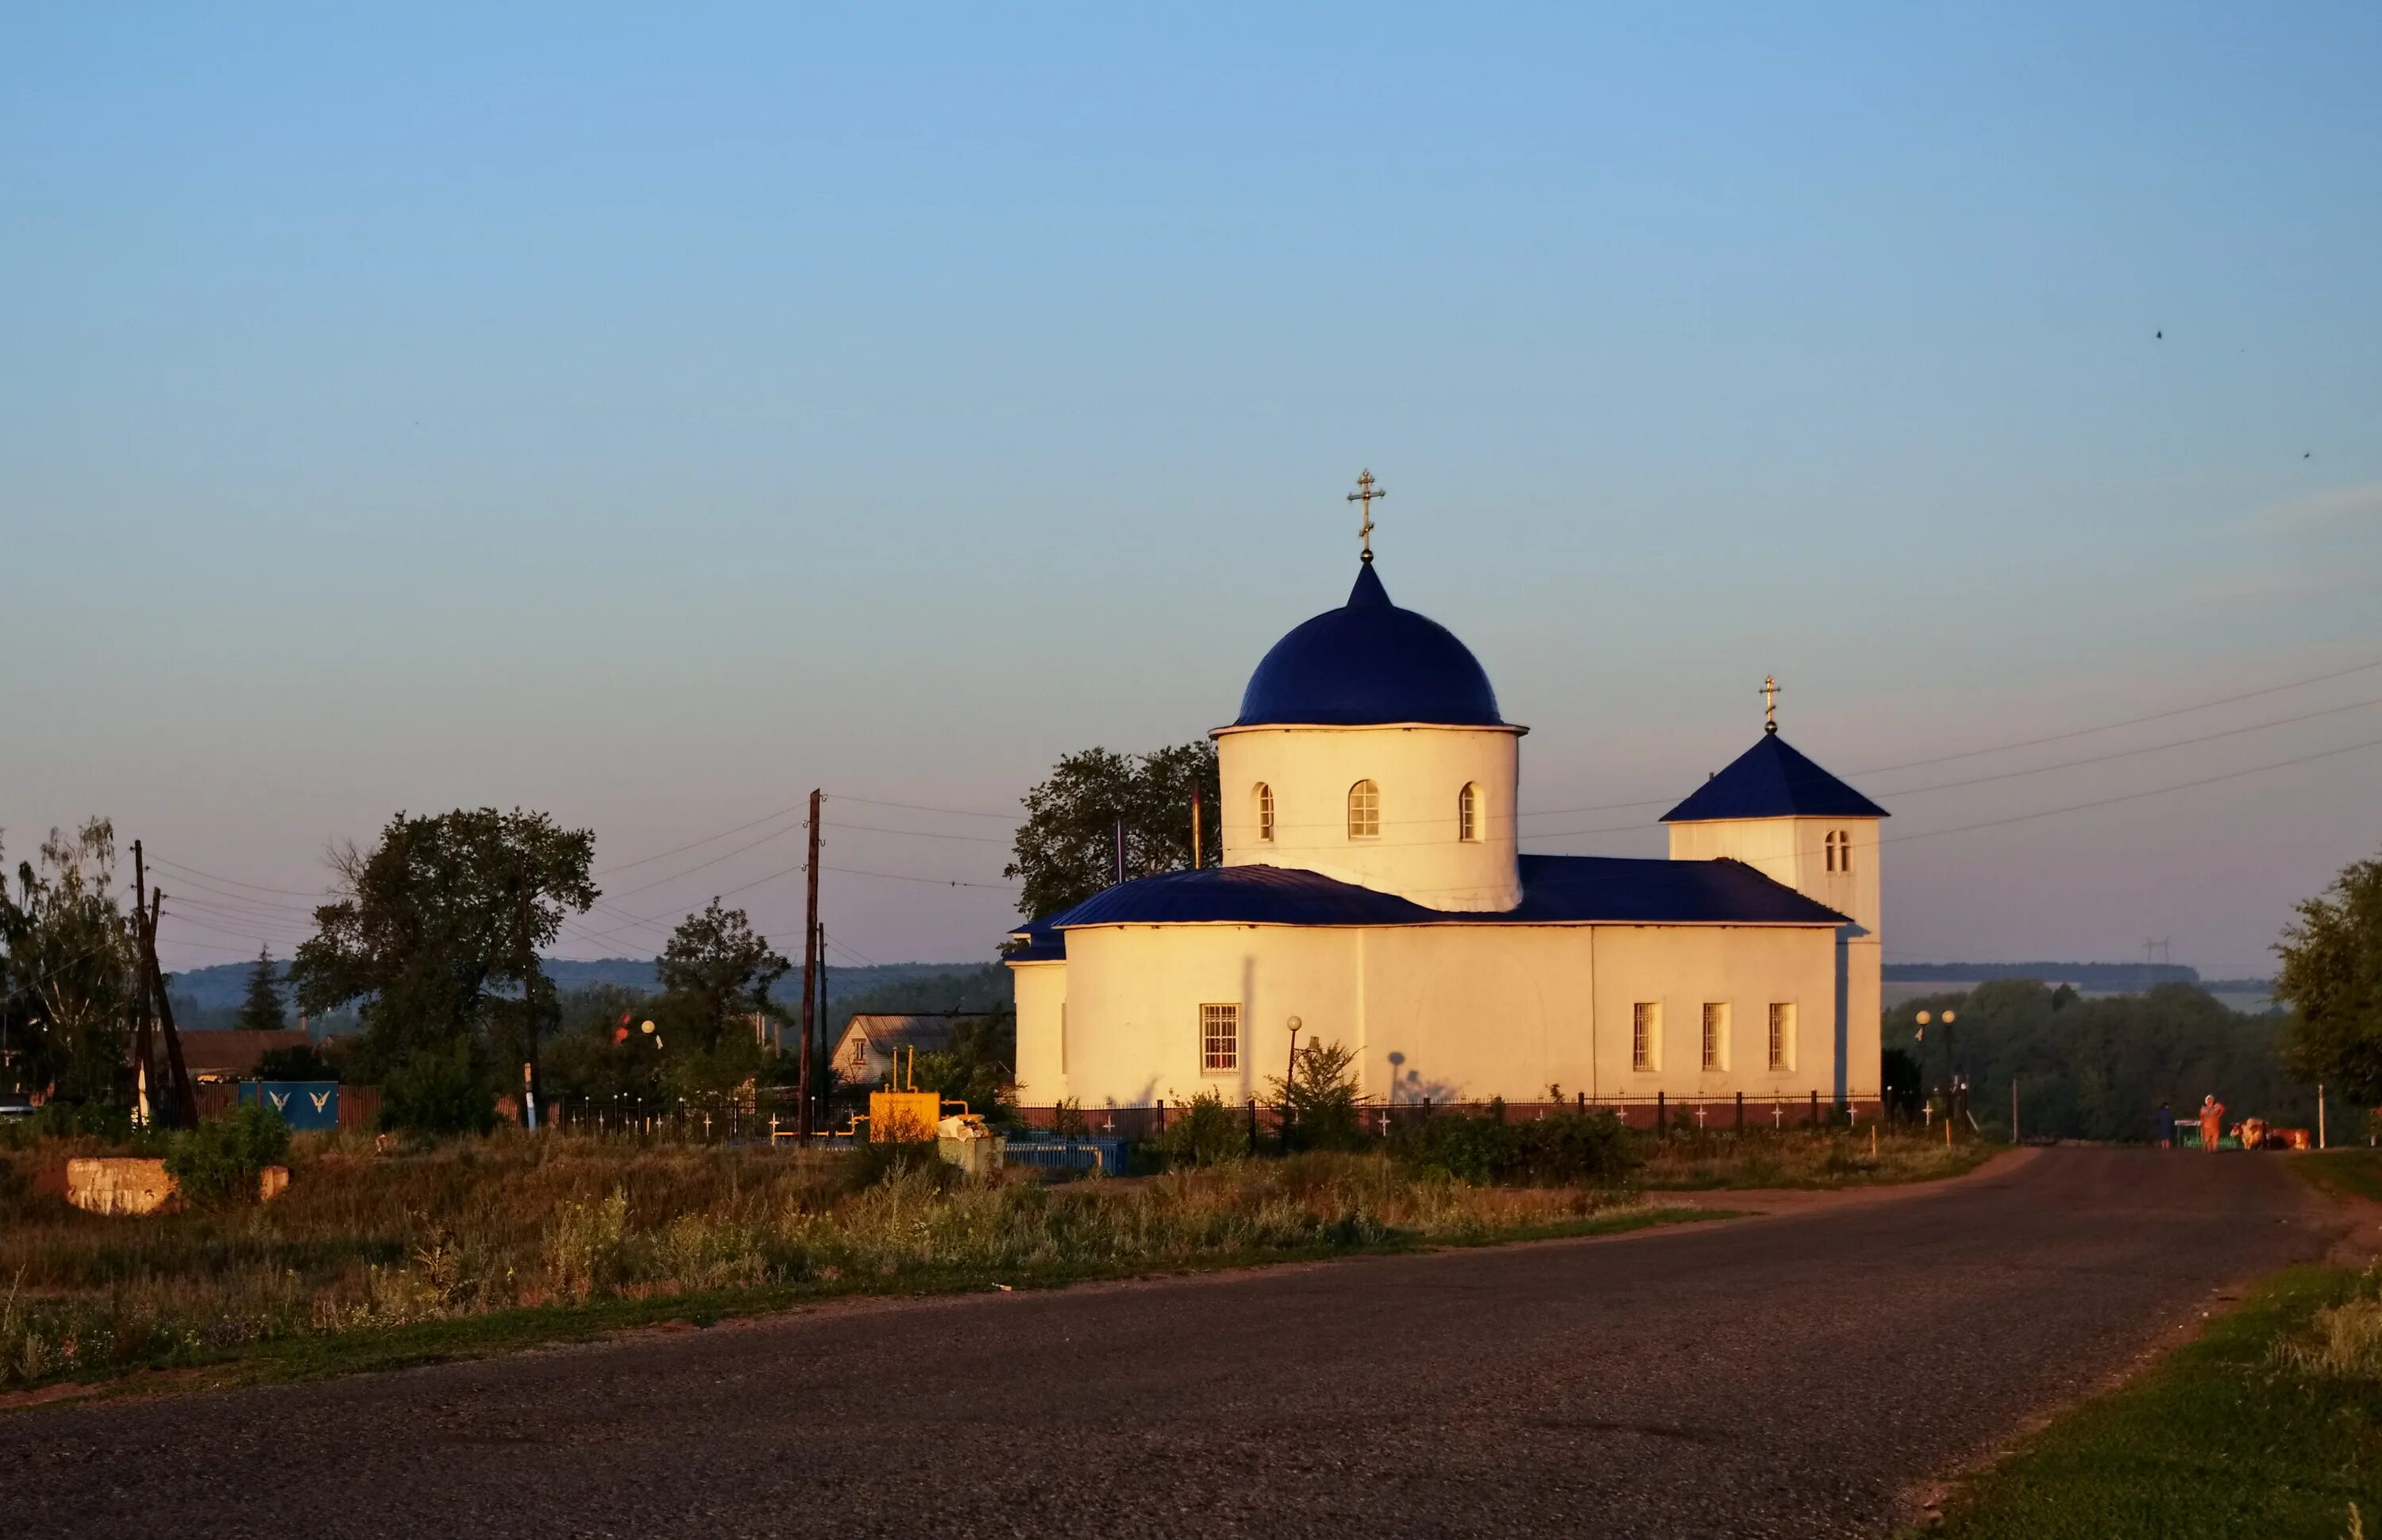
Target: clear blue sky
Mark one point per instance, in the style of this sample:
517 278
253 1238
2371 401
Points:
648 414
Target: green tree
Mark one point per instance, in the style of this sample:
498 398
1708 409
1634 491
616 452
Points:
71 973
262 1010
436 936
1320 1103
2332 975
976 1067
717 972
1065 850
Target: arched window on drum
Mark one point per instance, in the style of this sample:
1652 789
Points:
1363 811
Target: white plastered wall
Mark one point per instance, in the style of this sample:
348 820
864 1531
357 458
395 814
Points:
1451 1012
1040 990
1420 771
1795 851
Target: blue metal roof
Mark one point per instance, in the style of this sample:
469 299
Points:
1367 662
1557 890
1771 780
1042 944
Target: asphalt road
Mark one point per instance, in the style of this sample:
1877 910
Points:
1793 1376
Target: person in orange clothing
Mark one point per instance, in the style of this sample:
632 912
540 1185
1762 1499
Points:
2212 1122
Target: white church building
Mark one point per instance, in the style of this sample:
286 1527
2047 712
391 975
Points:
1373 892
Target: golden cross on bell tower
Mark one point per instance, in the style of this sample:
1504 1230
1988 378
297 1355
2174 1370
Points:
1770 703
1366 492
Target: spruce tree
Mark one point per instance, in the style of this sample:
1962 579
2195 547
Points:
262 1012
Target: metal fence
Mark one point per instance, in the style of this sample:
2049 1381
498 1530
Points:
1777 1111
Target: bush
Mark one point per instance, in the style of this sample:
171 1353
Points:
1561 1148
876 1163
438 1091
219 1161
1205 1132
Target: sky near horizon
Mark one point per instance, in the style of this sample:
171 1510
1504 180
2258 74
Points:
648 414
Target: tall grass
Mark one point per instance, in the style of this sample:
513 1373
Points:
362 1242
1688 1159
2343 1341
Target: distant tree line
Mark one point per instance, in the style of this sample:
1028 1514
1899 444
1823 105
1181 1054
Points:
2095 1068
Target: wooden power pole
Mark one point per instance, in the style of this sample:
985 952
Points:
803 1124
144 1050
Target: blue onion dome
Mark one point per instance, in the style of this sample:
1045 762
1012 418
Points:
1369 662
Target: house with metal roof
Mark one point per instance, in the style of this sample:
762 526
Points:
1373 893
864 1055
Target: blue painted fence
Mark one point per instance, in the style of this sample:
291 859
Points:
1069 1154
305 1105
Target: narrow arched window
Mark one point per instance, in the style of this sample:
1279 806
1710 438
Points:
1844 849
1831 843
1265 811
1467 812
1363 811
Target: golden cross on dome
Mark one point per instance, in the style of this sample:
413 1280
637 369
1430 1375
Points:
1769 704
1366 492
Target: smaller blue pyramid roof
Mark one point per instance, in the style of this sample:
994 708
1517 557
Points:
1771 780
1369 662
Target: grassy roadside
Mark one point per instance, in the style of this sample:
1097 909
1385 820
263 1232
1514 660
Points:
323 1356
475 1245
2350 1173
2269 1425
2224 1438
468 1246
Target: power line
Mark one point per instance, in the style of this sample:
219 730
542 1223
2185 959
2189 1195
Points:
2036 770
715 861
2128 722
939 881
642 861
2136 796
235 882
923 833
914 807
2022 743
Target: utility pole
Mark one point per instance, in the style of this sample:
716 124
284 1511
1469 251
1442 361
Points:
144 1056
186 1098
823 1069
533 1005
1120 848
1194 824
804 1122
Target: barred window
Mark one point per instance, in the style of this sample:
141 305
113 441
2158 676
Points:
1467 812
1220 1039
1715 1034
1363 811
1265 811
1645 1035
1782 1035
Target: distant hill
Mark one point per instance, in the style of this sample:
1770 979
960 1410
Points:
205 998
2093 976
